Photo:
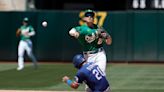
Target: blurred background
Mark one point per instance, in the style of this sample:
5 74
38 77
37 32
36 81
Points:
136 27
109 5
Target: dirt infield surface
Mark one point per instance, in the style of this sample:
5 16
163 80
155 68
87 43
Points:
34 91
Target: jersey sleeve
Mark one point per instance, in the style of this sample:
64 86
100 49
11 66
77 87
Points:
80 77
31 31
31 28
20 27
81 29
78 29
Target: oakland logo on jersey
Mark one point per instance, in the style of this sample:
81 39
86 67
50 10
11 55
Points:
90 38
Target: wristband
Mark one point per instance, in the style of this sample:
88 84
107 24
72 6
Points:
69 82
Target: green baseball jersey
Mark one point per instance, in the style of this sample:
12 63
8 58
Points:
88 37
24 29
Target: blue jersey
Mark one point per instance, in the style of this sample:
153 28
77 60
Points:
92 75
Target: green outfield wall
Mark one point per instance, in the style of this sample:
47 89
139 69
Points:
137 35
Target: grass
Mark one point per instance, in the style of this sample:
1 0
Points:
137 78
122 77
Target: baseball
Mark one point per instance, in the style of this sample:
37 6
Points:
44 23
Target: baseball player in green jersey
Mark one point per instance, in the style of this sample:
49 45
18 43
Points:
25 32
92 37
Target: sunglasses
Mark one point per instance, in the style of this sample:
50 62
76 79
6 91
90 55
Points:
89 14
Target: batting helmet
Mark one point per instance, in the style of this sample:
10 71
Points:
78 60
89 12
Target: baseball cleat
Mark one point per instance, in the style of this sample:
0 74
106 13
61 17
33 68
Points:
20 68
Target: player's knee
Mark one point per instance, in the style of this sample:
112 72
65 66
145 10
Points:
20 55
29 53
87 89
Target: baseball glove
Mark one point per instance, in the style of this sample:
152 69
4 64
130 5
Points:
18 33
102 33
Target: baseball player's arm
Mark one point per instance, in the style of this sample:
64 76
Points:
108 40
104 35
74 33
32 32
18 32
72 84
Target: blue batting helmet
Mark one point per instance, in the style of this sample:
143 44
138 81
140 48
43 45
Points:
78 60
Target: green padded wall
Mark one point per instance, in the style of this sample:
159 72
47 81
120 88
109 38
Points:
137 35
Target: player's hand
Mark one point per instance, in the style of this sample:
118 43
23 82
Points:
74 33
108 41
65 78
100 41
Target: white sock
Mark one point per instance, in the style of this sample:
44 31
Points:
20 61
135 3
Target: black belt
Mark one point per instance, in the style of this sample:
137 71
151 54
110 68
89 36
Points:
94 51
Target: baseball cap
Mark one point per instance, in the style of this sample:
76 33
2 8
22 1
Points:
26 19
89 12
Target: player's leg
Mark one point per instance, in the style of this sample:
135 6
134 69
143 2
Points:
101 61
108 90
90 58
30 53
87 89
142 4
21 51
98 58
162 4
156 3
135 3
